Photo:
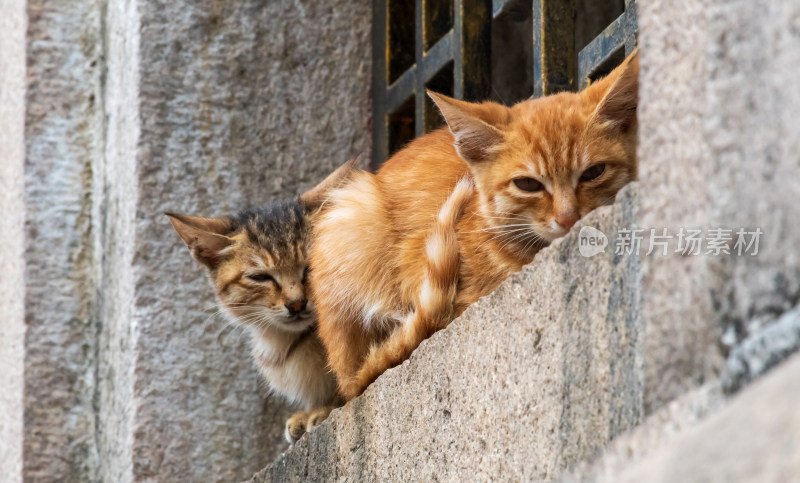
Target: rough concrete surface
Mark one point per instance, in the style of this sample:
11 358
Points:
762 350
63 134
551 362
718 149
12 248
115 214
754 438
748 361
657 430
114 367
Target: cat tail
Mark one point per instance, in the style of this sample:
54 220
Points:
436 298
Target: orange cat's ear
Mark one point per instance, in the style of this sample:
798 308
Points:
621 97
203 236
476 127
316 196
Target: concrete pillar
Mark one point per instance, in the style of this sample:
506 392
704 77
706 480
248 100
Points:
718 149
63 128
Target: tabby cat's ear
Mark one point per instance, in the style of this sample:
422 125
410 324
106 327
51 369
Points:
203 236
475 127
621 97
316 196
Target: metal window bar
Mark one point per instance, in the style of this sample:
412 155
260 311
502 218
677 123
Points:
610 47
465 45
555 66
465 48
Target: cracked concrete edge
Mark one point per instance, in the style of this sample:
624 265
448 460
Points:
752 437
751 359
762 350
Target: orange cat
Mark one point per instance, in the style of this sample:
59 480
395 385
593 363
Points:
382 262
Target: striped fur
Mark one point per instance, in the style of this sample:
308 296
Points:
435 304
257 262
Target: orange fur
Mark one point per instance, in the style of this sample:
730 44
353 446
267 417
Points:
537 168
434 305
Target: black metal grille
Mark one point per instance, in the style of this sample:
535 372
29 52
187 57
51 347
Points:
446 46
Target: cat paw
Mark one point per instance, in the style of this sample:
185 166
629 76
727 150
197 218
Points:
296 426
317 416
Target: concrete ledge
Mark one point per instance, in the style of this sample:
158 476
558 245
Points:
752 438
551 362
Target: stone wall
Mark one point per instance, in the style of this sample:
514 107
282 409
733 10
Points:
717 150
116 112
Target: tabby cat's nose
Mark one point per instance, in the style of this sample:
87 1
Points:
296 306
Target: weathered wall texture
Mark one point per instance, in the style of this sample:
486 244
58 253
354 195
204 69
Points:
697 439
752 439
116 197
12 247
130 109
63 137
551 362
718 149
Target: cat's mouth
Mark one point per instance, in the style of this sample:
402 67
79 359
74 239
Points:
299 318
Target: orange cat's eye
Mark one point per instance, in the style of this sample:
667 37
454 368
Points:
261 277
528 184
594 172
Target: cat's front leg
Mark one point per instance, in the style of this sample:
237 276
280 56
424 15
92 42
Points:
296 426
302 422
317 416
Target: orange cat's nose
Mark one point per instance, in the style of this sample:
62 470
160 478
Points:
567 220
296 306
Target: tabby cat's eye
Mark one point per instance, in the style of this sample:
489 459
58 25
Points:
594 172
528 184
261 277
305 274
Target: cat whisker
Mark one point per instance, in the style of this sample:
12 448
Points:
497 236
226 328
608 201
531 243
501 212
518 236
220 311
521 236
252 317
504 214
501 227
509 232
509 218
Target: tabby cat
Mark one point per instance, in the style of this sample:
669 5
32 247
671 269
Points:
382 276
257 262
